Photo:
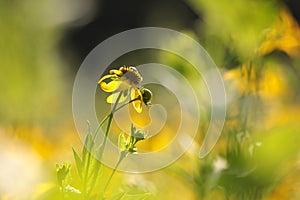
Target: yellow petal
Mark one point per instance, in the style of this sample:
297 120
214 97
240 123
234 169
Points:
105 77
137 104
115 71
111 86
113 97
135 93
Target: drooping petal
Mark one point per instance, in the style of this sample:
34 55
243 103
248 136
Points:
115 71
113 97
137 104
136 93
105 77
111 86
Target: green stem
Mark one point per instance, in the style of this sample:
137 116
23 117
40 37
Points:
108 125
111 113
122 156
109 117
99 126
101 123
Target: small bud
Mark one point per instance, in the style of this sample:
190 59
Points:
127 143
147 96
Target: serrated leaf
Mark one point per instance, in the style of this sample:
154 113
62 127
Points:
62 172
78 163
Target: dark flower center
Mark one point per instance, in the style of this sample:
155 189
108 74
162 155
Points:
133 76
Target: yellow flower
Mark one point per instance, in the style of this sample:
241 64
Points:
125 80
284 35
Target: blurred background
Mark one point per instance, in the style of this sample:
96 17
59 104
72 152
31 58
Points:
255 44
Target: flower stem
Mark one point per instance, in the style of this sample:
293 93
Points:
122 106
100 125
122 156
111 113
110 117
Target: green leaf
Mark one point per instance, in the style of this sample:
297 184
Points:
91 166
88 146
86 161
95 171
86 154
78 163
63 173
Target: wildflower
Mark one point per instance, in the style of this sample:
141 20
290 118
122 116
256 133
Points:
125 80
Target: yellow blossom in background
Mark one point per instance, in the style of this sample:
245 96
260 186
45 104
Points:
243 78
273 83
288 188
284 35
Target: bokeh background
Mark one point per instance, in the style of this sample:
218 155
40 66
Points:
255 44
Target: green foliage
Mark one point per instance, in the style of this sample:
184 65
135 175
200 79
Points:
238 25
78 162
63 174
128 143
64 179
90 169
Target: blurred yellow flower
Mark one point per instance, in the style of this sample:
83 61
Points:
243 78
125 80
284 35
